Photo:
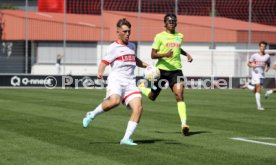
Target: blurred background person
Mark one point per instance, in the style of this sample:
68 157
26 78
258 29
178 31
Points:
58 64
259 63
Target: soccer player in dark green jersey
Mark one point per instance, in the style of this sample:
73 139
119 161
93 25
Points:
167 50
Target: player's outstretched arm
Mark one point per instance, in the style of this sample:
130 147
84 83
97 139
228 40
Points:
267 67
189 57
140 63
101 69
155 55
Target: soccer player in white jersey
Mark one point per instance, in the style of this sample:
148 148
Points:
121 86
271 91
260 63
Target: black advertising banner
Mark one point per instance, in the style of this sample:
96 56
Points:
50 81
69 81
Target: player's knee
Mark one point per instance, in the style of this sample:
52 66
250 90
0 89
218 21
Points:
178 97
140 108
152 98
115 102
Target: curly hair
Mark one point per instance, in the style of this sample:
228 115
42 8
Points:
169 15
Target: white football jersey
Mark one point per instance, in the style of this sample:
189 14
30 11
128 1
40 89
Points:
261 61
122 60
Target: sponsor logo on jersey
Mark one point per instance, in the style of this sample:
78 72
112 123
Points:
173 45
127 58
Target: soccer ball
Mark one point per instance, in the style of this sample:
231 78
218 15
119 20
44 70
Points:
151 73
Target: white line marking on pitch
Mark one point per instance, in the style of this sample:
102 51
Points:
264 138
253 141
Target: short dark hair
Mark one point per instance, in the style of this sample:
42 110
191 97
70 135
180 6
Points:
169 15
262 42
122 22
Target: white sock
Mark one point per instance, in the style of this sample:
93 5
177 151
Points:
258 99
96 111
131 126
250 87
183 123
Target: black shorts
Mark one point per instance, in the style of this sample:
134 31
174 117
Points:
172 77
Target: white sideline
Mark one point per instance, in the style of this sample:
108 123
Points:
253 141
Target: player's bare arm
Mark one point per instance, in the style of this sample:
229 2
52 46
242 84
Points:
101 69
155 55
189 57
267 67
140 63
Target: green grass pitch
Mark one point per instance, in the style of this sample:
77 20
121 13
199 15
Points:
44 127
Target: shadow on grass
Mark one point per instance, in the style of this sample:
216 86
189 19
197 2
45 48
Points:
148 141
152 141
191 133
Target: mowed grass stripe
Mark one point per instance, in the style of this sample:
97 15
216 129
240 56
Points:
158 133
61 137
25 150
43 97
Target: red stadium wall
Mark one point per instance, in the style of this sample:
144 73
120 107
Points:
51 6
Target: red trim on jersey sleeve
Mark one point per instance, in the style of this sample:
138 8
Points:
105 62
130 95
252 62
